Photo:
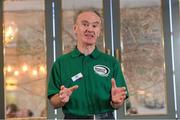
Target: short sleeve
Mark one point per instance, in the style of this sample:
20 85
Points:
119 77
54 82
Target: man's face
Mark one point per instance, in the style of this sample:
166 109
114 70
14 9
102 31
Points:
87 28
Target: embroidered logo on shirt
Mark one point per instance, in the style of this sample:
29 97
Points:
102 70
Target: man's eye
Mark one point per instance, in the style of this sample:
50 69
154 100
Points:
94 26
85 24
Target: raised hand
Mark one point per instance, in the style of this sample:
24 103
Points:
118 94
65 93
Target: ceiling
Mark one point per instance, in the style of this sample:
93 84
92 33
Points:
139 3
14 5
74 4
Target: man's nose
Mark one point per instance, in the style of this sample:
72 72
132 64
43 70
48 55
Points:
90 28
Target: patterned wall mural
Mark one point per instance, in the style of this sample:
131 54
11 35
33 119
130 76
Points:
143 60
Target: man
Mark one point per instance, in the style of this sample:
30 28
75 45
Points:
87 83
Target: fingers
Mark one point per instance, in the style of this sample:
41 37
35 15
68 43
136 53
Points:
118 99
73 88
122 89
68 91
113 82
119 94
64 98
65 93
62 87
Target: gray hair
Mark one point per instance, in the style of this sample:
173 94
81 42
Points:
87 10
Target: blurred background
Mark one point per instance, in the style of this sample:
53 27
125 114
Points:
142 34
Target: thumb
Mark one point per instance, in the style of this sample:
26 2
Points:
62 87
113 82
73 88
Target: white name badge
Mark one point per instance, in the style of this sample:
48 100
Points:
76 77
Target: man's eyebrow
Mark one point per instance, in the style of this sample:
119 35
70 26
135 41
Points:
85 21
97 22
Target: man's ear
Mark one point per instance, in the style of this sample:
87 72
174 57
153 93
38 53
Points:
100 33
74 28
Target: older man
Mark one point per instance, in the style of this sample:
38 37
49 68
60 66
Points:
87 83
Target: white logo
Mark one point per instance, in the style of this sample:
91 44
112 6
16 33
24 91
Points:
102 70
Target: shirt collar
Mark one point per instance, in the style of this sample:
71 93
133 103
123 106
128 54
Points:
94 54
76 52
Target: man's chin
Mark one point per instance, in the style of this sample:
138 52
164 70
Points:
91 42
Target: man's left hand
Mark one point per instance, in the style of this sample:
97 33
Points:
118 94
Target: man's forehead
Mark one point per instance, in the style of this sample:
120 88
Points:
88 16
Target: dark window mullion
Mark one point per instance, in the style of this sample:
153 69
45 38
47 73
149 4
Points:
176 35
49 52
2 108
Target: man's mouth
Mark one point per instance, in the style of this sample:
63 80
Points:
89 35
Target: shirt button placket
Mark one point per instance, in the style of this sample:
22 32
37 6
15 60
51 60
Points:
88 91
85 75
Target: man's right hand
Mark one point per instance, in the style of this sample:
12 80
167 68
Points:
65 93
60 99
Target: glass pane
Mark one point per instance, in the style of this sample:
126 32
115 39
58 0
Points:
179 6
69 10
143 56
24 58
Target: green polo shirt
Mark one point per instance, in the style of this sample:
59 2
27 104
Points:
92 74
